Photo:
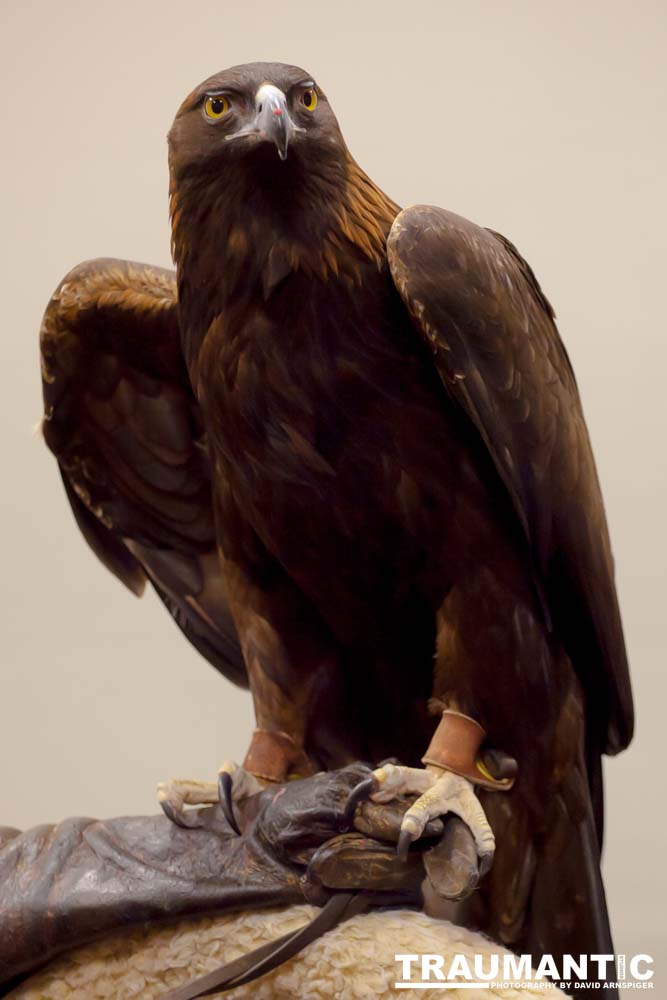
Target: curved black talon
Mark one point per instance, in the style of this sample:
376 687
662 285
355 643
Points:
187 821
359 793
405 841
225 785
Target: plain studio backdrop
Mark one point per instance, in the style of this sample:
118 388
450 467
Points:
544 121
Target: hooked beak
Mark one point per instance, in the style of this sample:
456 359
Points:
272 121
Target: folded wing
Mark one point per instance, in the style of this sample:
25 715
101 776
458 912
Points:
478 306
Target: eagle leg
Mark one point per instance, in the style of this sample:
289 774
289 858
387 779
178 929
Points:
454 765
439 792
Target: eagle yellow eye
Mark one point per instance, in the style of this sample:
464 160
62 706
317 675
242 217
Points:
309 100
216 106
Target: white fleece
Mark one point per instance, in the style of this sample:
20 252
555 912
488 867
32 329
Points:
355 961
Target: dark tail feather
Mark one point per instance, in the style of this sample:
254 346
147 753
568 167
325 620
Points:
596 787
568 909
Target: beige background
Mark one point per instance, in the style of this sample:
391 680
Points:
545 121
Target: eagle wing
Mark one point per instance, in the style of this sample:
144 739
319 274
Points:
121 418
479 308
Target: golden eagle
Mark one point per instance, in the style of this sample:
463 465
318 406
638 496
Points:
344 443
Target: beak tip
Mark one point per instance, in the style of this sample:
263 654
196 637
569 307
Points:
272 120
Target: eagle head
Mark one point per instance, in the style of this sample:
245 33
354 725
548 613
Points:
262 185
252 114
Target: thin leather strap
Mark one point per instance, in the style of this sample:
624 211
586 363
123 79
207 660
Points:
256 963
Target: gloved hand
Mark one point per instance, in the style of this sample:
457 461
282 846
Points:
65 885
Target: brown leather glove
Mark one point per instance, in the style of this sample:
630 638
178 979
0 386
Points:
62 886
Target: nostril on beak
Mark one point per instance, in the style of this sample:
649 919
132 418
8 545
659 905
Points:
260 107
